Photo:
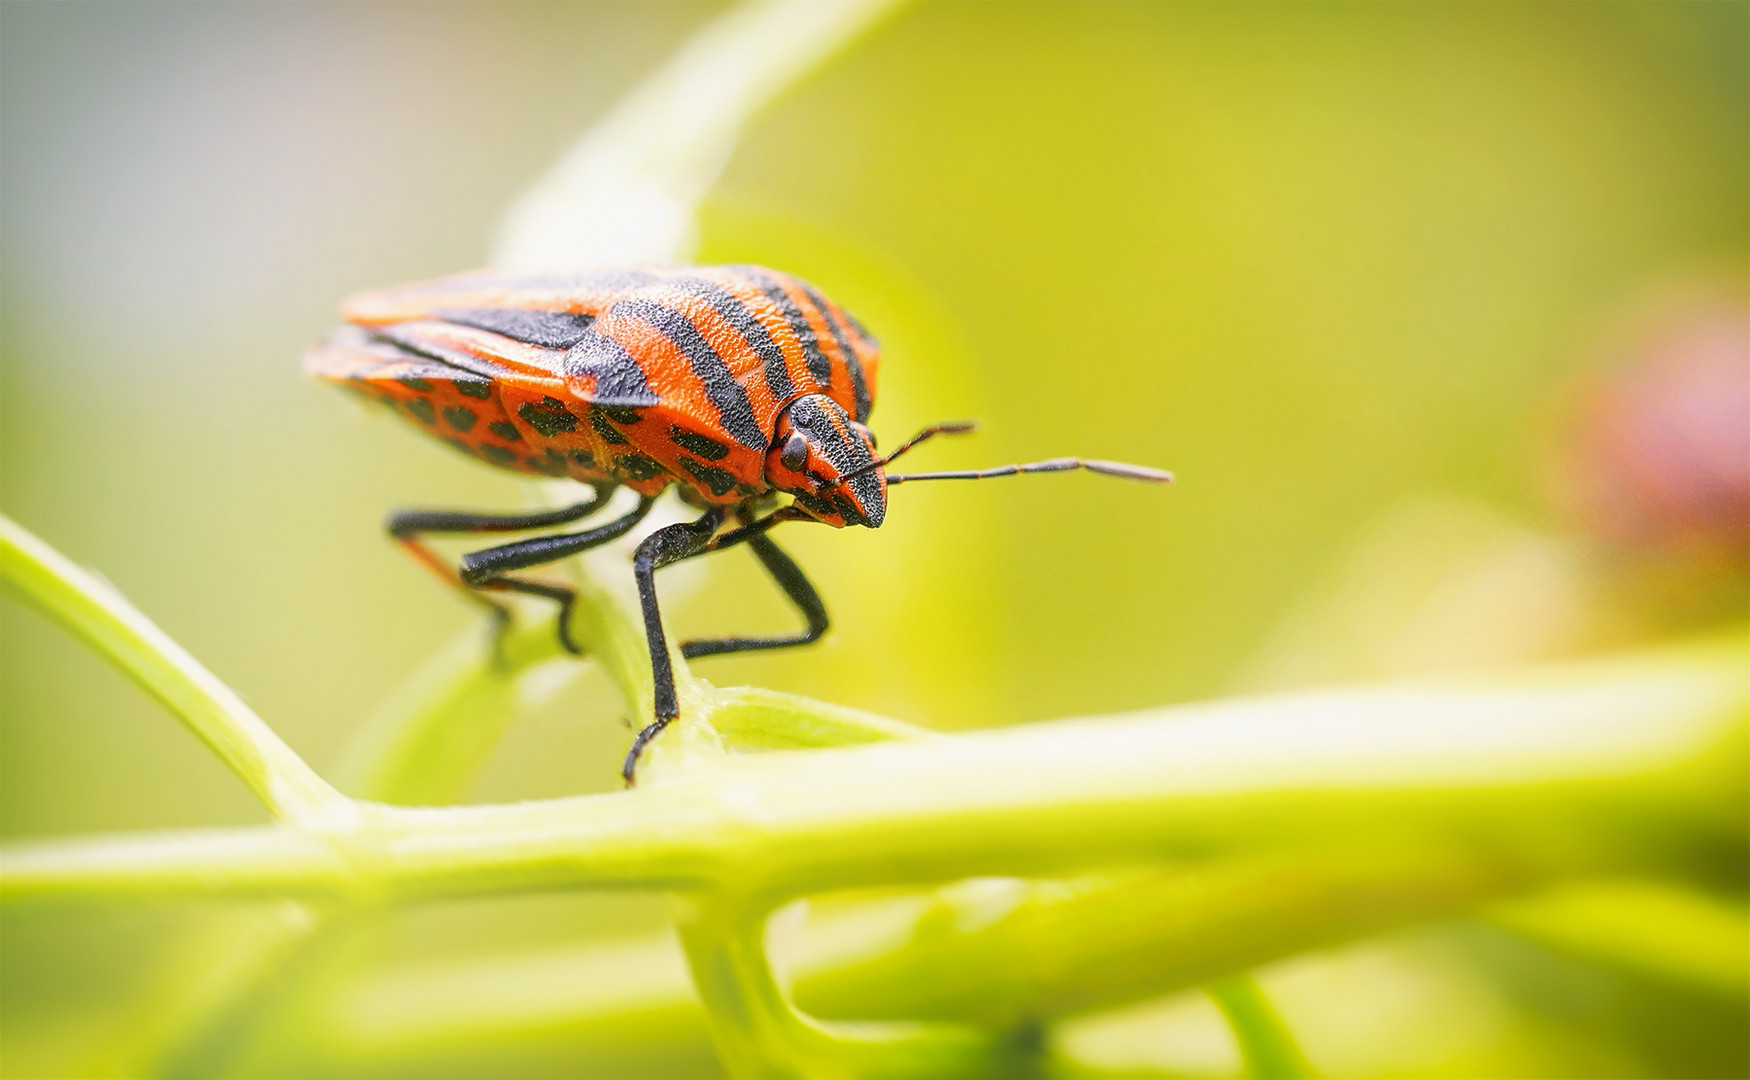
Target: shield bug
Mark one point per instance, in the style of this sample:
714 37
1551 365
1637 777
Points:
734 384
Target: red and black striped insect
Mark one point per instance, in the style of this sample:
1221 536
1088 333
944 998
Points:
736 384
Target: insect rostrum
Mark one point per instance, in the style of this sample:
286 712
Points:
734 384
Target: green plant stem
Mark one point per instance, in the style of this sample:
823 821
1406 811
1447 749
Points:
430 739
1063 949
759 1033
424 745
1626 763
1265 1042
629 190
94 612
751 717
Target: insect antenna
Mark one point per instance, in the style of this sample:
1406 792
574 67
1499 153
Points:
1066 464
947 427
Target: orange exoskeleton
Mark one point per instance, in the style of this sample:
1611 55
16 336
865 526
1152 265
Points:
734 384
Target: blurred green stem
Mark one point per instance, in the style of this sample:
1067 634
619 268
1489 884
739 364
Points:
1052 950
759 1033
1265 1042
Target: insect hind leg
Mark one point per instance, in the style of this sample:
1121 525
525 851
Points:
408 527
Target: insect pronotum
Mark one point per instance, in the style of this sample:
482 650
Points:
734 384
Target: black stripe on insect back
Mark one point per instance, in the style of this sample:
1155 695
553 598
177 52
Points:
751 330
853 366
733 409
405 338
548 329
618 378
819 364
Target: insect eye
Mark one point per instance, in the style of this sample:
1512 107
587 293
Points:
795 452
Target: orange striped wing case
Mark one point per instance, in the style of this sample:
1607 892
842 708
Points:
645 377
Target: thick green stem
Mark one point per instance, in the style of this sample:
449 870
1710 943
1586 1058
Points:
995 955
1627 763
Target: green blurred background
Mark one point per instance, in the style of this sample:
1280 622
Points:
1343 267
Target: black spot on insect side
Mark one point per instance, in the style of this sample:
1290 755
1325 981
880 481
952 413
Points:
414 383
703 445
637 466
746 491
553 464
474 388
583 458
498 455
505 430
549 417
459 445
421 409
460 417
607 431
621 414
720 481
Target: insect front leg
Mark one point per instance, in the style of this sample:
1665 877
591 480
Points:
796 586
676 542
662 548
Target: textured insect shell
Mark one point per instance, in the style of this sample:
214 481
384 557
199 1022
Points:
692 361
824 348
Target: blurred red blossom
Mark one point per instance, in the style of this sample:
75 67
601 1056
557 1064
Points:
1656 457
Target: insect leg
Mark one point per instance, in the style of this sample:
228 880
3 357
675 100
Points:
796 586
677 542
659 549
488 569
408 526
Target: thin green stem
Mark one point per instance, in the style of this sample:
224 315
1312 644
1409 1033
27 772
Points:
434 733
753 717
93 611
1266 1044
423 745
758 1032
